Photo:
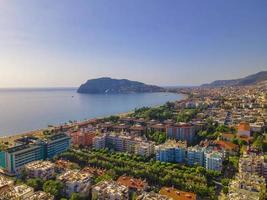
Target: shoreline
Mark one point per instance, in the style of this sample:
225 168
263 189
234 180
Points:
11 138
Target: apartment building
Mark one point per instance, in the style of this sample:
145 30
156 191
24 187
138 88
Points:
109 190
4 184
99 141
40 169
182 132
76 181
214 160
80 138
195 155
145 149
243 128
171 151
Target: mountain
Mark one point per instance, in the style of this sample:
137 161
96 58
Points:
248 80
108 85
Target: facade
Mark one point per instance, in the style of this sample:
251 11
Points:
109 190
56 144
213 160
182 132
195 155
29 150
76 181
171 151
145 149
40 169
16 157
82 138
99 141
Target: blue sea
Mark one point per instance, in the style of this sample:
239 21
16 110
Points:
23 110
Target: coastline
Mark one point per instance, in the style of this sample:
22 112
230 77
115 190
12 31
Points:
11 138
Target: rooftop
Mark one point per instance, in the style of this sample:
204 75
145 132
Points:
177 194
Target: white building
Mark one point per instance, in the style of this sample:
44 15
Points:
76 181
109 190
40 169
145 149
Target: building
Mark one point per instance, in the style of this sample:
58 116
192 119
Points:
243 129
40 195
171 151
22 192
133 184
246 186
253 164
99 141
195 155
18 156
145 149
80 138
40 169
182 132
175 194
31 149
214 160
152 196
109 190
5 184
56 144
76 181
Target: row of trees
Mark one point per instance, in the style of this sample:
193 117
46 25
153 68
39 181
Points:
158 174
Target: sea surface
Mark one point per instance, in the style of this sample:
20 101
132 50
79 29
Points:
23 110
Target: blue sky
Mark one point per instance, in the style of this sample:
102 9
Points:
49 43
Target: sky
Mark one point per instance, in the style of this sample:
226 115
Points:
48 43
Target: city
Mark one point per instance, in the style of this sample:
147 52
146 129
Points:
210 145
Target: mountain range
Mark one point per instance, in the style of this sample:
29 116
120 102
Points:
108 85
246 81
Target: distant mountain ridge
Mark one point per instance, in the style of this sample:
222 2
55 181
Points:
248 80
107 85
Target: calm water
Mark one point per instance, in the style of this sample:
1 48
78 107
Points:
23 110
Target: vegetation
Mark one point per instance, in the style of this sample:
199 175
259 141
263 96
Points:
186 115
157 137
160 113
35 183
158 174
53 187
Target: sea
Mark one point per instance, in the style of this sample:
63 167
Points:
23 110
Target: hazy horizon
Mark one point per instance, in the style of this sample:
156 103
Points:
46 44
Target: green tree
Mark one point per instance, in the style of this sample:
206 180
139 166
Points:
35 183
53 187
76 196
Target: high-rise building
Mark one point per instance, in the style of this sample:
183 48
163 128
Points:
28 150
213 160
195 155
171 151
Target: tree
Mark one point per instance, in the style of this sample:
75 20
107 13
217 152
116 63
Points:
35 183
75 196
53 187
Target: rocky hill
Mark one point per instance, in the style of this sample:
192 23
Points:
108 85
248 80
